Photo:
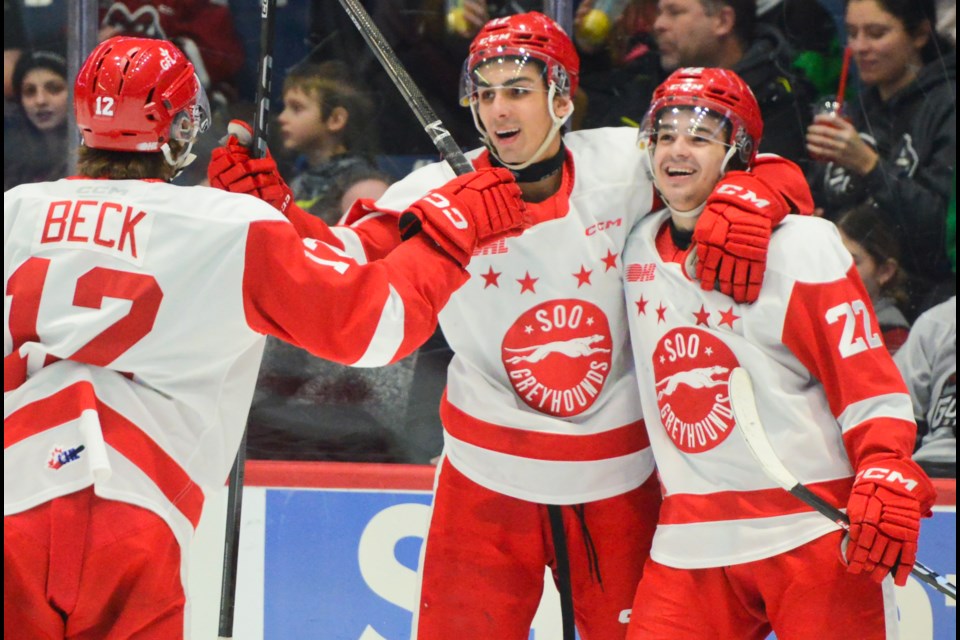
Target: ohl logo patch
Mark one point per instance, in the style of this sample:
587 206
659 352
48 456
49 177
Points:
692 369
557 355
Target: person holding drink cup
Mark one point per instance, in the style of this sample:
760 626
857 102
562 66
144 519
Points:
895 143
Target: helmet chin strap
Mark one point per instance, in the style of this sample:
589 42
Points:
538 154
181 162
692 213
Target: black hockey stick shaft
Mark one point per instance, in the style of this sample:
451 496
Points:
744 405
231 543
563 570
268 10
428 118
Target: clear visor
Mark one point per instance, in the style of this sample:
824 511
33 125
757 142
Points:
512 68
669 123
192 121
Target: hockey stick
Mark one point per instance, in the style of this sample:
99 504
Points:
428 118
231 544
748 419
441 138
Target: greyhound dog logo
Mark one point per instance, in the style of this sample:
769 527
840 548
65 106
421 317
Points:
572 348
557 356
695 379
692 368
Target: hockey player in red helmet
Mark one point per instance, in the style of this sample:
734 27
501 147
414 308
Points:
136 314
765 561
501 56
546 463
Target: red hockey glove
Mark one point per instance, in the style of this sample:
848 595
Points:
733 232
467 212
887 501
232 169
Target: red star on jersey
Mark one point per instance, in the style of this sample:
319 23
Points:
526 283
641 306
583 277
610 261
661 313
702 316
491 278
728 317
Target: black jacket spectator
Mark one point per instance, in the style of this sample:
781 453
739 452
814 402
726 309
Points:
915 133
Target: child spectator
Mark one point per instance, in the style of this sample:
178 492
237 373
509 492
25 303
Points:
35 148
327 118
876 254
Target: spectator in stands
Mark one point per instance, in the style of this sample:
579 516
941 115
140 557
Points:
928 362
899 146
619 65
811 31
326 119
35 149
876 254
726 34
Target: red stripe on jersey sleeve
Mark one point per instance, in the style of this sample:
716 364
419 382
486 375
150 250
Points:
537 445
832 329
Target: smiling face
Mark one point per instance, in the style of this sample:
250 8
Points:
43 94
511 104
886 55
688 156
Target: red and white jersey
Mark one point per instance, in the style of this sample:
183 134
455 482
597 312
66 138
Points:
135 314
822 376
541 401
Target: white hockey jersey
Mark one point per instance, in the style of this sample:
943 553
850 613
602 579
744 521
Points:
541 401
134 320
822 375
928 362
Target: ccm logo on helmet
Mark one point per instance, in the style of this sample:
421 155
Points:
879 473
743 194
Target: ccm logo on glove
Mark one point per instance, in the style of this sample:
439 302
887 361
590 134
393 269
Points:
453 214
879 473
743 194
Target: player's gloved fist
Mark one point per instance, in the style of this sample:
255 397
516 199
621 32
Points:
888 499
232 169
733 233
467 212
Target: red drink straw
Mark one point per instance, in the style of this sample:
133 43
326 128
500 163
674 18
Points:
843 78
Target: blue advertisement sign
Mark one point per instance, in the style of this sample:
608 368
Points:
341 565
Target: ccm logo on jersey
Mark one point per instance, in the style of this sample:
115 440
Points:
602 225
879 473
743 194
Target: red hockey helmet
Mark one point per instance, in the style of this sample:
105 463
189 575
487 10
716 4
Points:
524 36
718 91
137 94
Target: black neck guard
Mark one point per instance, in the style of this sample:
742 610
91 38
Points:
538 170
681 239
